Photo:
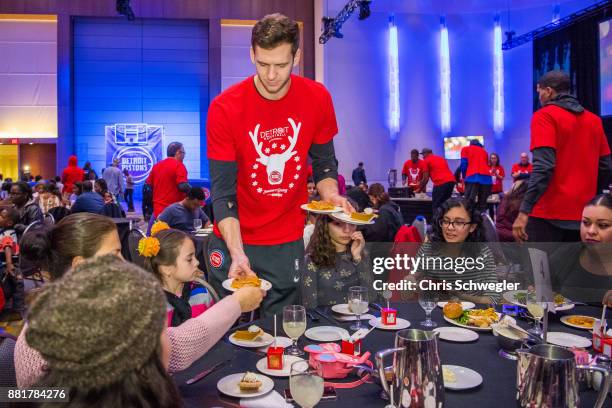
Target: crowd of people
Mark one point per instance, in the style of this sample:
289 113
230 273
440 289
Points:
75 333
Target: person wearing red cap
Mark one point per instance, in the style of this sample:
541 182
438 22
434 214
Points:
441 177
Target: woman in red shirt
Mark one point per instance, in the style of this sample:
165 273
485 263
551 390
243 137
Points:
497 173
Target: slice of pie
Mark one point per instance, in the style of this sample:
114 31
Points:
244 281
362 216
250 382
251 334
321 206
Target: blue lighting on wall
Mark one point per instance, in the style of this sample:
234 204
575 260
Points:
394 99
498 79
445 80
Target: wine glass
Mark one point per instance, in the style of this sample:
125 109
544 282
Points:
358 303
294 325
537 310
197 224
427 300
306 384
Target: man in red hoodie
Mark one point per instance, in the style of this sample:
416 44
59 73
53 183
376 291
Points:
562 132
71 174
475 172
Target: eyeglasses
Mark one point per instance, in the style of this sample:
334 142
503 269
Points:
459 224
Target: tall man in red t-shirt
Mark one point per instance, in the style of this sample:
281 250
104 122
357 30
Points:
412 172
476 175
259 135
562 132
441 177
168 179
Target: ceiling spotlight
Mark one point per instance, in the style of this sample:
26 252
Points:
364 9
124 8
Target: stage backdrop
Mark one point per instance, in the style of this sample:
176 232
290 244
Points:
150 73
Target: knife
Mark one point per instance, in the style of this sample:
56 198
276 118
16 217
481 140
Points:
205 373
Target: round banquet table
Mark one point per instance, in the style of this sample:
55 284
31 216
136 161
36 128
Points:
499 375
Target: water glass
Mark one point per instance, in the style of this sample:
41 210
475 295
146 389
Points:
294 325
358 303
197 224
427 300
306 384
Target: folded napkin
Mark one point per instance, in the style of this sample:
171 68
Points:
346 318
270 400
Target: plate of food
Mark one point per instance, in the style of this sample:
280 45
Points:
579 321
321 207
519 298
233 284
253 337
460 378
474 319
355 218
245 385
344 309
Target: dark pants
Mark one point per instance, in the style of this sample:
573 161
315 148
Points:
541 230
440 194
480 191
274 263
129 199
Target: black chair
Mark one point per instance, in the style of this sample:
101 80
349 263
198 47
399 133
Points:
134 237
58 213
7 361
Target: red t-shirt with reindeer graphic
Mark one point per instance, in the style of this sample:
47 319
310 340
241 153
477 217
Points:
270 140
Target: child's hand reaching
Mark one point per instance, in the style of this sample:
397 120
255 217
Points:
357 245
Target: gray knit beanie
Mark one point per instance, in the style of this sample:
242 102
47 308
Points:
99 322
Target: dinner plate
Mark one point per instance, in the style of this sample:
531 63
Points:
305 208
456 334
265 285
465 326
326 333
565 320
280 342
262 366
343 309
399 325
464 305
509 297
568 340
263 341
344 217
229 386
465 378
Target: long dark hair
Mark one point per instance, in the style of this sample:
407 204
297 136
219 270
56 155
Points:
378 191
604 200
147 386
514 198
454 202
170 242
54 248
321 249
498 159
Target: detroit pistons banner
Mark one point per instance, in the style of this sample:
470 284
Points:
137 146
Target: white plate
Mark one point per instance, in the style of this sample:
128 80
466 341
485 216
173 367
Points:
464 305
305 208
565 322
465 326
229 386
262 341
262 366
399 325
456 334
343 309
568 340
465 378
509 297
227 284
344 217
280 342
326 333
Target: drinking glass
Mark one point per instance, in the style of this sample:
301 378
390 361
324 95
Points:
427 300
306 384
358 303
294 325
537 310
197 224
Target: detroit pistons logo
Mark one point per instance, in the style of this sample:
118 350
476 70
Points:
216 258
278 158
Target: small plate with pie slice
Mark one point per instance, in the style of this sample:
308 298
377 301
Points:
355 218
321 207
234 284
253 337
245 385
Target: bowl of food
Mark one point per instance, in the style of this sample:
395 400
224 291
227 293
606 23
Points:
508 338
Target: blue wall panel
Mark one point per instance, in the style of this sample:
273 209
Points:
150 71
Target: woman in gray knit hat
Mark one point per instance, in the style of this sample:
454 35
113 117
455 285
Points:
101 329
